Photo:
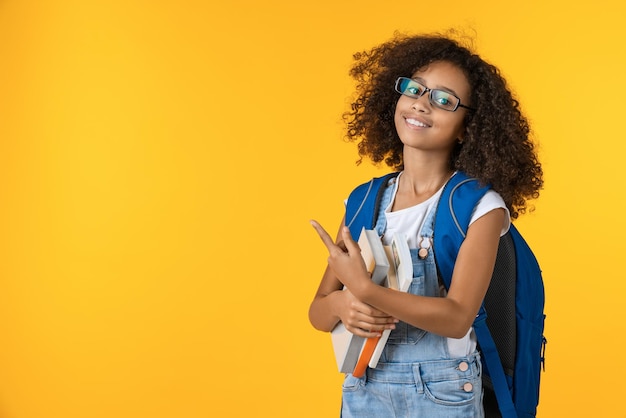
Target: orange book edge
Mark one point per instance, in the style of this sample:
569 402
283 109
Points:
366 355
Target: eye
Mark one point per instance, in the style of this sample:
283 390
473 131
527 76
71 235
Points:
409 87
443 99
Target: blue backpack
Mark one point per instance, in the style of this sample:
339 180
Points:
510 338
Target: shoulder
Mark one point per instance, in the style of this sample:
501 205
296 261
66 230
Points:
376 182
363 202
491 201
470 199
371 188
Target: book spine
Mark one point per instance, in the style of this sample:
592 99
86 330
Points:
366 355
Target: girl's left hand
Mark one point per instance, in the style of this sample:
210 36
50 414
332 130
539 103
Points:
345 259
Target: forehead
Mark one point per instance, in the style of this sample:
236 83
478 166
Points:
444 75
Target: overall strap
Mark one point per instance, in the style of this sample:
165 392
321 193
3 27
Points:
388 191
428 225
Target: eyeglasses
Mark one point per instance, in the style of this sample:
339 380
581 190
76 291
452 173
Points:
439 98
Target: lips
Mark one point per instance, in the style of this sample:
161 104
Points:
417 123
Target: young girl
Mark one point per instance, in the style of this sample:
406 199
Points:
428 107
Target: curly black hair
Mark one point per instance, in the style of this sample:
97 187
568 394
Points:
496 148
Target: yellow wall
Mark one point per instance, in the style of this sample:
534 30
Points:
159 163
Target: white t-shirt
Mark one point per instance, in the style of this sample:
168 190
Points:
410 221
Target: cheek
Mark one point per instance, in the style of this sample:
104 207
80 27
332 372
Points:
461 132
458 127
402 105
403 102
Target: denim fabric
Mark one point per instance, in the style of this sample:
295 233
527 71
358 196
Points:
385 200
437 388
415 376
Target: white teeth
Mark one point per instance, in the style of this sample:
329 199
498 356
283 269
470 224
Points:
416 123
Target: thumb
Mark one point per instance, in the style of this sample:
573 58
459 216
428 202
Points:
351 245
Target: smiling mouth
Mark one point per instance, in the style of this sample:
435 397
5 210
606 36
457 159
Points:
415 122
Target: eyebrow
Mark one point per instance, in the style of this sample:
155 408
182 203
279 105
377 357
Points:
444 88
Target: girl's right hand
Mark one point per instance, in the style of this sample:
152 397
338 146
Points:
362 319
333 302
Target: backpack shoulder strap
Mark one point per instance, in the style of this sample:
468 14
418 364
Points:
363 204
454 211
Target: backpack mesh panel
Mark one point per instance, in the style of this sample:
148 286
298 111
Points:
500 304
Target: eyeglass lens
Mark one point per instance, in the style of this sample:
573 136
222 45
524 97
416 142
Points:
439 98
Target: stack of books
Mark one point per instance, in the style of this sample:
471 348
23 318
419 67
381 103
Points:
389 266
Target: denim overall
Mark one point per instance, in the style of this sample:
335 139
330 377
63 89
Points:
415 376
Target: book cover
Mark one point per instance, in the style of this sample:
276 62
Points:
399 277
347 346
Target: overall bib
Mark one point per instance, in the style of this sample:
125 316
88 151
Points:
416 376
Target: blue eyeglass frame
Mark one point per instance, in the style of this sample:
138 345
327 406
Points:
430 94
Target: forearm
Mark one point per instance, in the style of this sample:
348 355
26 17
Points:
323 312
453 315
439 315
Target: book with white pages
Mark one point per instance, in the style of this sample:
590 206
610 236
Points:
399 277
347 346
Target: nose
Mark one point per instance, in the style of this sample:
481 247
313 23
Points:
422 103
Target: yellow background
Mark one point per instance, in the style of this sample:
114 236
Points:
159 163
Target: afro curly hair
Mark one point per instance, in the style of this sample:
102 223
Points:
496 149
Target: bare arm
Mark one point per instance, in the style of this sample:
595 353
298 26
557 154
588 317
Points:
451 316
332 304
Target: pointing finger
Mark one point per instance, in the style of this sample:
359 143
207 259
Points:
326 238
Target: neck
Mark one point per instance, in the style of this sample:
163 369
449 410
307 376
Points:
425 175
426 184
418 183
